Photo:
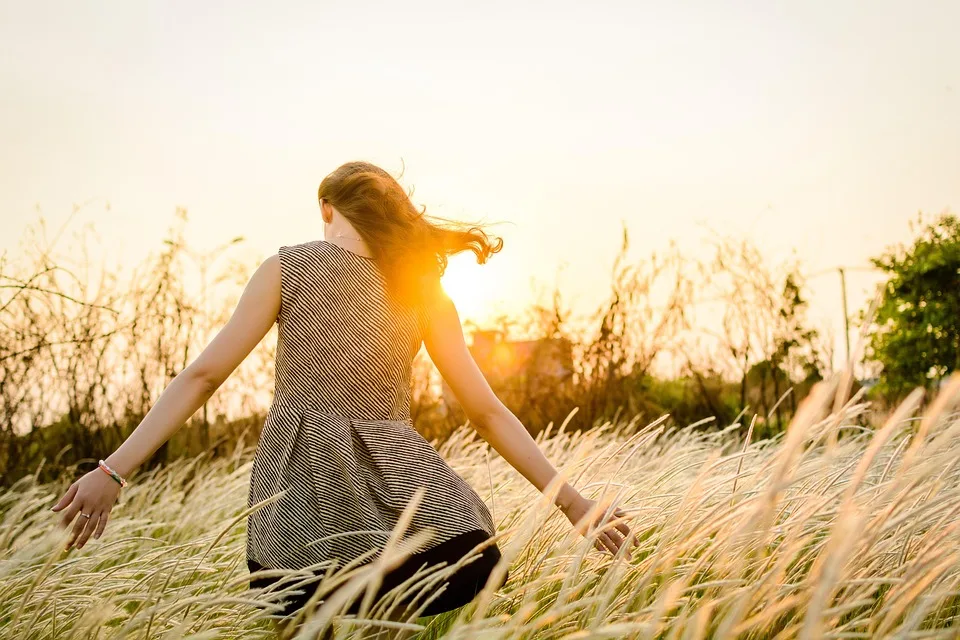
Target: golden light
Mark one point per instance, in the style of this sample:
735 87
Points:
470 286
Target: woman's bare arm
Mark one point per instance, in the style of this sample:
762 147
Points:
95 493
495 422
255 314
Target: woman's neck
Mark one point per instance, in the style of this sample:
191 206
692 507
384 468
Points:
340 232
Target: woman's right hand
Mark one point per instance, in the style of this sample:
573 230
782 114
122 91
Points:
586 516
89 500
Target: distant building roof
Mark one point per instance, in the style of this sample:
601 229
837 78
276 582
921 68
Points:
517 365
502 359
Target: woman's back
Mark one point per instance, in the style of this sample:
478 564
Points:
337 441
343 346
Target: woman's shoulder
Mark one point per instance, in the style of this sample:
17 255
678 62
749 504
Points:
318 247
307 246
303 252
296 258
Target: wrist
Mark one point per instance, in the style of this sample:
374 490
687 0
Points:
118 465
112 473
567 497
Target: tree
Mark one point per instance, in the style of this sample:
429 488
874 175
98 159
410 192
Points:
916 337
764 339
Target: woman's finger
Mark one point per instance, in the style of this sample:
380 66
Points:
66 499
78 527
69 514
626 530
615 536
618 541
104 516
612 527
623 530
604 538
621 525
88 529
614 542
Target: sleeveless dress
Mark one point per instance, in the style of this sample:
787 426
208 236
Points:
338 437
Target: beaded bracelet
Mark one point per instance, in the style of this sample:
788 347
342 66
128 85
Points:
113 474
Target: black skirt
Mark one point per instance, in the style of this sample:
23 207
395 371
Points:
461 587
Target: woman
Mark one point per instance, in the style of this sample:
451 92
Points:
337 445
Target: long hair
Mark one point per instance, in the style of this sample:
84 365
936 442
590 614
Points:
410 248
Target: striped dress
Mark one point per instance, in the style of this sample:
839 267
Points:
338 441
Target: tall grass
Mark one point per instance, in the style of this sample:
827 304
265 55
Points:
826 531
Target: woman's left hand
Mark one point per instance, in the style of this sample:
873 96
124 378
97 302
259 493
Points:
89 500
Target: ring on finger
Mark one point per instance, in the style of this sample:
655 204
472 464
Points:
85 515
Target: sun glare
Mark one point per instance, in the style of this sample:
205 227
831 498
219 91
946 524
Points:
469 286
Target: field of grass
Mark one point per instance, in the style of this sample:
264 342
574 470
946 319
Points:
828 531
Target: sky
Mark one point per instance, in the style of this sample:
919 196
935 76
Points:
817 129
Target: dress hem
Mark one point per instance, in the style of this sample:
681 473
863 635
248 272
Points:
459 588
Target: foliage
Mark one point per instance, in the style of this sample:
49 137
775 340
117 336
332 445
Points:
917 326
765 340
85 353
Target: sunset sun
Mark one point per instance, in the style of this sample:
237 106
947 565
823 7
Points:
471 287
